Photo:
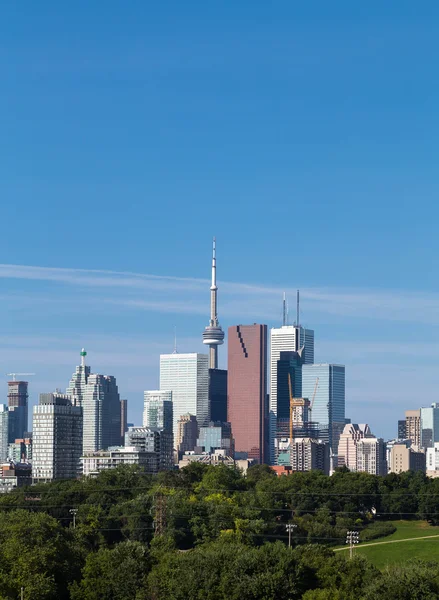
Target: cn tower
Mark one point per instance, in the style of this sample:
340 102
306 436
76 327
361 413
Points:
213 335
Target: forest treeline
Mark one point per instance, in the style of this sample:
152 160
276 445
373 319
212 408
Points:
210 533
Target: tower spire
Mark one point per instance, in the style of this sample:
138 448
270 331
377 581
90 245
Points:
298 310
83 355
213 335
284 310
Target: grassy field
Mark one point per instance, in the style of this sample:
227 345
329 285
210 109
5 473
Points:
383 554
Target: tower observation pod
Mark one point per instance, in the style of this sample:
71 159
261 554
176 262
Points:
213 335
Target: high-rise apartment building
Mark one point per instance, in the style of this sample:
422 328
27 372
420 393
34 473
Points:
371 456
4 431
413 426
187 377
98 396
309 454
57 438
187 432
403 458
149 439
429 425
18 409
247 405
347 445
158 409
327 382
288 338
123 419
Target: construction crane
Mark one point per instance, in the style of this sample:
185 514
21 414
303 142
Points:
13 375
313 398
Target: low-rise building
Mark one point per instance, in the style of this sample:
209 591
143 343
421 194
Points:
95 462
14 475
218 457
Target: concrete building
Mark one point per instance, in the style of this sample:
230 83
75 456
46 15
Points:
14 475
413 426
158 409
347 445
218 457
20 451
123 419
187 377
288 338
4 432
98 396
187 433
217 436
401 429
310 455
57 438
327 382
18 409
403 458
432 460
95 462
148 439
247 402
371 456
429 425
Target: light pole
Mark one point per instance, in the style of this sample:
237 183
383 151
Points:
73 512
352 539
290 528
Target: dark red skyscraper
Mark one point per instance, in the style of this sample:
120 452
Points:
247 407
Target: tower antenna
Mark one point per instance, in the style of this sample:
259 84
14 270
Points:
213 335
175 341
298 309
284 310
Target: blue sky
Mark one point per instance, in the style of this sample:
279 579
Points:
303 135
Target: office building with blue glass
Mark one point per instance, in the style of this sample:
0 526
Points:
327 382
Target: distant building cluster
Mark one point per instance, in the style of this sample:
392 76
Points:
273 404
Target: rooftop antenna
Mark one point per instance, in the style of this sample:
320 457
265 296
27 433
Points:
298 309
175 341
284 311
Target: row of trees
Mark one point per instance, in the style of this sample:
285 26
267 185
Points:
206 532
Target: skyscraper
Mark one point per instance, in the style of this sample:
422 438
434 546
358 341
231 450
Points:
18 409
288 338
187 377
57 438
123 420
347 445
430 425
187 432
327 381
218 394
158 410
413 426
247 407
98 396
4 428
213 335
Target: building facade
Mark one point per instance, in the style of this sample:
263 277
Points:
288 338
404 458
187 433
20 450
18 409
57 438
247 403
95 462
4 432
218 394
429 426
98 396
371 456
347 445
401 429
217 436
413 426
148 439
309 455
158 409
123 419
324 386
187 377
432 460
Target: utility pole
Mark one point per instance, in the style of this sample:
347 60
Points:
290 527
352 539
73 511
22 593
